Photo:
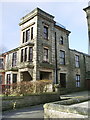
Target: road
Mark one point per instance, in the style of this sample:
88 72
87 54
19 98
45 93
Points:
28 112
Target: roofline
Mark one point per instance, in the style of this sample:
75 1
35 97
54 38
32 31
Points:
86 8
38 10
61 28
32 14
79 52
10 51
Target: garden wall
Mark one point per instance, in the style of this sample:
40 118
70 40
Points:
24 101
65 109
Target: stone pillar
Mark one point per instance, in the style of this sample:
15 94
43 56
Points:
87 10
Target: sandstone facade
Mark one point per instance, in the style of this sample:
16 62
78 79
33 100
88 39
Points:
44 53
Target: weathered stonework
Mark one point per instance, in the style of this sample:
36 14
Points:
38 68
87 10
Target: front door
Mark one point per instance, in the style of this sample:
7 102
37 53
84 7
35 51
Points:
63 80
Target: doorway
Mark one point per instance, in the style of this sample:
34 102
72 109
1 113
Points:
63 80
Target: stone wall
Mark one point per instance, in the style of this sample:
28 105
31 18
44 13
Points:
26 101
65 109
87 62
45 20
76 70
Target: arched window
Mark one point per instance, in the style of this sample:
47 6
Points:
61 40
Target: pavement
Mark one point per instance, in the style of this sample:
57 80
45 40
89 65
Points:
27 112
71 95
82 94
82 105
37 111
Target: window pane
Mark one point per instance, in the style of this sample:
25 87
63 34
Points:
1 63
77 58
62 61
14 59
22 57
78 84
62 57
8 79
77 80
0 79
30 54
45 54
27 35
14 78
23 37
31 33
61 40
45 32
77 63
25 54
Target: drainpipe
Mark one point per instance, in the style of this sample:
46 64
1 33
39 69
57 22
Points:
85 68
56 72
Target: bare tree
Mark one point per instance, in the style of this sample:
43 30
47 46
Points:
3 49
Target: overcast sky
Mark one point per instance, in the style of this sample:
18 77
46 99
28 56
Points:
69 14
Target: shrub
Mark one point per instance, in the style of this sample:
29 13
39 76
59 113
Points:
43 86
28 87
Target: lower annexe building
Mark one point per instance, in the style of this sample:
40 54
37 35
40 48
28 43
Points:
44 54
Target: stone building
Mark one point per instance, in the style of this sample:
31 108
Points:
87 10
44 53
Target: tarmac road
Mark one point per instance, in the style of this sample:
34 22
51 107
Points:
28 112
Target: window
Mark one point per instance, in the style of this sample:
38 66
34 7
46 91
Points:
61 40
1 63
14 59
45 54
22 55
77 80
31 33
62 57
23 37
27 35
30 54
45 32
14 78
0 79
25 58
77 64
8 78
27 55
